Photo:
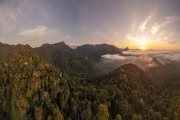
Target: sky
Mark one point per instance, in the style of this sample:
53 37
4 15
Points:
141 24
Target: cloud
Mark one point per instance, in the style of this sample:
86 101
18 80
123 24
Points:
143 59
11 14
110 62
167 30
161 55
169 20
142 27
173 42
37 31
154 29
8 19
68 37
113 57
140 52
165 25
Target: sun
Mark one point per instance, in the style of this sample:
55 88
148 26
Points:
143 44
140 42
143 48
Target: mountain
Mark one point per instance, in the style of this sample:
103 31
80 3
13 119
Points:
94 52
8 50
126 49
154 62
67 59
127 93
133 72
29 87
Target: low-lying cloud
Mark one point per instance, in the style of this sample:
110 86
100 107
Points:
113 57
143 59
161 55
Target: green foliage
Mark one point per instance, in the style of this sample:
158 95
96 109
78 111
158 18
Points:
29 94
67 60
137 117
57 114
30 88
102 113
118 117
123 107
38 113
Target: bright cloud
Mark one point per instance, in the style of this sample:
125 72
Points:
37 31
155 29
113 57
142 27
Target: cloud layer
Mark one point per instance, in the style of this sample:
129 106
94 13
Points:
143 59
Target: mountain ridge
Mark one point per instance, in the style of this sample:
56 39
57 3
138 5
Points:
94 52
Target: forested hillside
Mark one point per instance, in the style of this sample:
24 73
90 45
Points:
127 93
36 85
30 88
67 59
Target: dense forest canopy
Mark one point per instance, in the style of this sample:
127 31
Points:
55 82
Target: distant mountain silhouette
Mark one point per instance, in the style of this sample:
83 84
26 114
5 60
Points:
126 49
94 52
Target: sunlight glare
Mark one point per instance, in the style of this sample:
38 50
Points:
143 44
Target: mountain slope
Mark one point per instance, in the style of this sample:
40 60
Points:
127 92
30 87
8 50
65 58
155 63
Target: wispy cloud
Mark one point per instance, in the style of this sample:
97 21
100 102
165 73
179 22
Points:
143 25
37 31
169 20
8 19
173 42
11 14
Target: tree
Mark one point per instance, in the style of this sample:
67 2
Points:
137 117
118 117
123 108
102 113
